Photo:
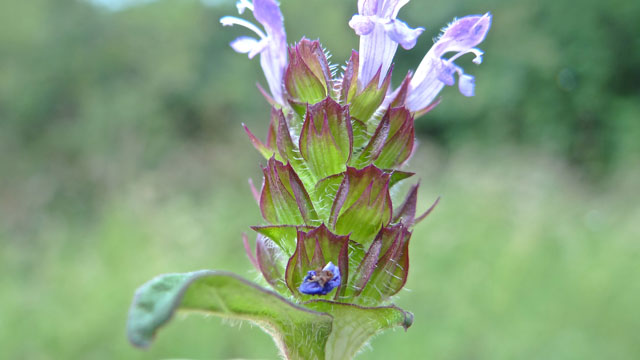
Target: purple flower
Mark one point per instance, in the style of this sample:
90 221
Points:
434 72
321 282
272 45
380 33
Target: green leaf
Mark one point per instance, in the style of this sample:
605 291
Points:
354 325
300 333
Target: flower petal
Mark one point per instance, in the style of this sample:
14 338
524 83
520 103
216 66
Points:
268 14
466 84
463 34
390 8
368 7
244 4
248 45
401 33
445 73
434 72
361 24
425 85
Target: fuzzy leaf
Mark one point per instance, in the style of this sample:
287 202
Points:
230 296
354 325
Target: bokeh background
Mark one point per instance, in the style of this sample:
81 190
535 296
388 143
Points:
122 157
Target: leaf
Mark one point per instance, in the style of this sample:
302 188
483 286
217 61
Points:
300 333
354 325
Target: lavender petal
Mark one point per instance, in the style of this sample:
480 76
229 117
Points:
361 24
401 33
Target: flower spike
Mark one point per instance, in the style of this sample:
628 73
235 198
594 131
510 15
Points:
380 33
271 45
334 243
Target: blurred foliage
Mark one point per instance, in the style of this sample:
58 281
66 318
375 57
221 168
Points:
122 156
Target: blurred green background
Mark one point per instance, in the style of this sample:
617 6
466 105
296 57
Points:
122 157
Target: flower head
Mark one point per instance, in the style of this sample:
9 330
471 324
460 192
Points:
271 43
434 72
321 281
380 33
